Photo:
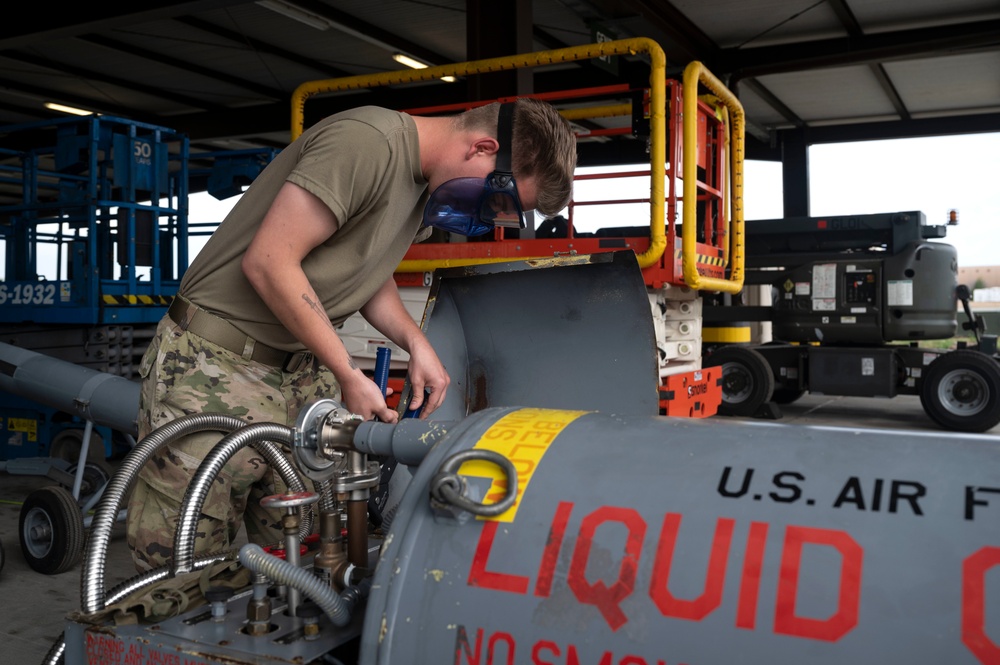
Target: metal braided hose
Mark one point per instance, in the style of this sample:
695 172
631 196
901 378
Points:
327 498
260 437
92 584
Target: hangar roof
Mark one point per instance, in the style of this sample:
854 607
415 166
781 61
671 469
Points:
223 71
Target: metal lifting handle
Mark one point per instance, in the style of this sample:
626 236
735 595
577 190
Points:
696 73
449 488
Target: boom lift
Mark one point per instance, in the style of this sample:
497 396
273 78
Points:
853 297
694 131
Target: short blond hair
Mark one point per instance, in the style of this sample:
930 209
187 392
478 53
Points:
544 147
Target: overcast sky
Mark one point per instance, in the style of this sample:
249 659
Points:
932 175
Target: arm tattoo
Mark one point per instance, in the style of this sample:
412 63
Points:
316 307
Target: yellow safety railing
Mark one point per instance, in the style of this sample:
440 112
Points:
657 123
694 74
657 113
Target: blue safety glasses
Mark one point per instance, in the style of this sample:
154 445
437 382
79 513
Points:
474 206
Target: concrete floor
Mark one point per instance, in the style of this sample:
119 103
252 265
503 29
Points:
35 605
903 412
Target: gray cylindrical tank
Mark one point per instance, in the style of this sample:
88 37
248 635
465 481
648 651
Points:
104 399
648 540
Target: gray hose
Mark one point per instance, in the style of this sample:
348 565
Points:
279 571
56 654
92 589
259 436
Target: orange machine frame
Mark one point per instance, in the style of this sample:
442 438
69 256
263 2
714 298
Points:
712 250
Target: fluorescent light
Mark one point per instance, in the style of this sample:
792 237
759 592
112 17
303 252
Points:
66 109
404 59
296 13
413 63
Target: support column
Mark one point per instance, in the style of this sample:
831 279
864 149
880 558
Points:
795 173
496 29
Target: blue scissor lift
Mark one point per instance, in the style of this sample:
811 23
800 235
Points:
92 254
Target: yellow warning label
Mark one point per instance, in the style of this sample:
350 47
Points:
26 425
523 437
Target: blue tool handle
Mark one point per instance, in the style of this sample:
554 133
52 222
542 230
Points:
381 377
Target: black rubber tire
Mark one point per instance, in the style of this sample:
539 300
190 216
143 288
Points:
51 530
961 391
66 445
747 381
786 395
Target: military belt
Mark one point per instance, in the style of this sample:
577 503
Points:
222 333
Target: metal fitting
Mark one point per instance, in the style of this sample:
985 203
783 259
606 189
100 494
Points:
324 431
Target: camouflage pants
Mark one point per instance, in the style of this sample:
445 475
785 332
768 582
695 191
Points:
183 374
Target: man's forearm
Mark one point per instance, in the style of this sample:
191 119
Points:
386 312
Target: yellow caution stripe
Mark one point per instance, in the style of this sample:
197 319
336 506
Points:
136 300
725 335
523 437
705 259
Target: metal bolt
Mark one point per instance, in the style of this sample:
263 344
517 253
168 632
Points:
218 596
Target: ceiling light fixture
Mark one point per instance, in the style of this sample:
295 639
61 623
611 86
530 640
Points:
66 109
295 13
404 59
413 63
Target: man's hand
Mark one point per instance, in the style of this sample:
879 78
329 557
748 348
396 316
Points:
362 397
426 374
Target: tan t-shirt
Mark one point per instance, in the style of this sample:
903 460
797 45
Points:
365 165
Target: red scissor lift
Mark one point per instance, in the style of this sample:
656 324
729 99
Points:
695 393
681 251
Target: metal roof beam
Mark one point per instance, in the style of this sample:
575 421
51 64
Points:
372 33
855 30
681 30
890 91
259 46
772 100
902 129
97 104
867 49
275 117
115 45
41 21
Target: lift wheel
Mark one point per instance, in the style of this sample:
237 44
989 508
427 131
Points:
51 530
